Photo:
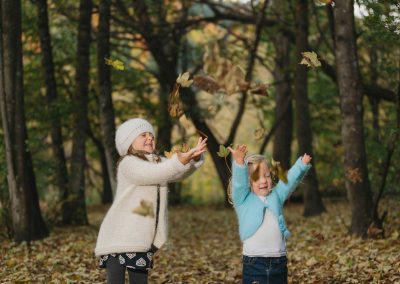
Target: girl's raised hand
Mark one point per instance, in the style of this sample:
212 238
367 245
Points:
306 159
239 153
193 153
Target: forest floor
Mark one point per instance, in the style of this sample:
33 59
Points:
204 247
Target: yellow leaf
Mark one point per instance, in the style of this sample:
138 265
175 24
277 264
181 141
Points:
185 148
183 80
145 209
117 64
259 133
168 154
324 2
310 59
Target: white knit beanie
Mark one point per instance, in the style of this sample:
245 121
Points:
128 131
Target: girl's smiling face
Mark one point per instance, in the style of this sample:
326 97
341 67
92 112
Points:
144 142
261 181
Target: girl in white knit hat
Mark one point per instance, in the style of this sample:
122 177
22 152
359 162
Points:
136 224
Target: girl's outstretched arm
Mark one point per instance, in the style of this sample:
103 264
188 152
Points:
240 175
195 157
295 175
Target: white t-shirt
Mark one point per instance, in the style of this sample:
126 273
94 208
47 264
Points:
268 240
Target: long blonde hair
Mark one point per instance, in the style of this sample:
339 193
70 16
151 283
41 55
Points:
252 159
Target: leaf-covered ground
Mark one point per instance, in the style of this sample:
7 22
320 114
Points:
204 248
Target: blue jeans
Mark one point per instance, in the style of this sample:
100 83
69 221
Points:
264 270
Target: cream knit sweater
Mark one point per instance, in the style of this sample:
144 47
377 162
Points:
123 230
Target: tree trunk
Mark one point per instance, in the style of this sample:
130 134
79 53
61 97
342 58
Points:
27 220
106 196
312 198
283 133
283 111
74 210
51 96
355 164
107 118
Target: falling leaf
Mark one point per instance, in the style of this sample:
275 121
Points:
259 133
175 92
185 148
324 2
310 59
175 107
115 63
206 83
259 89
169 154
223 151
145 208
183 80
354 175
278 171
175 149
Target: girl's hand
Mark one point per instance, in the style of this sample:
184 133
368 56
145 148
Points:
306 159
193 153
239 153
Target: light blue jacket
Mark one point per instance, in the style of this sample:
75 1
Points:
250 208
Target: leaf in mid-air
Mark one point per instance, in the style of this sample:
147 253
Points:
145 209
175 149
278 171
183 80
259 133
310 58
223 151
206 83
185 148
259 89
324 2
115 63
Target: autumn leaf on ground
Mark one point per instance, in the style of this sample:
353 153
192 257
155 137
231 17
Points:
183 80
310 59
278 171
223 151
374 232
145 209
259 133
354 175
117 64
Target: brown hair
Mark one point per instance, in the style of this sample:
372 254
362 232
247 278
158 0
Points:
137 153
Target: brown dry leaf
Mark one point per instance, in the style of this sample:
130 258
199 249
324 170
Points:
354 175
206 83
374 232
259 133
204 247
259 89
